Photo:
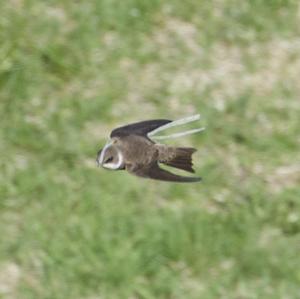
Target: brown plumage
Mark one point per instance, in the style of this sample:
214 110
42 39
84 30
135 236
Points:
180 157
132 149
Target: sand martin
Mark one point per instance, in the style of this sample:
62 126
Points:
133 148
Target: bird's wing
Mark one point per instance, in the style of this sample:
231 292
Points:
140 128
150 128
176 123
153 171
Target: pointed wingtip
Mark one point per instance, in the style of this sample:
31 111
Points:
175 123
190 180
180 134
197 179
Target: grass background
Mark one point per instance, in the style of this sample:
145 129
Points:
70 71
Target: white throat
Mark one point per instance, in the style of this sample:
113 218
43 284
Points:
115 165
111 165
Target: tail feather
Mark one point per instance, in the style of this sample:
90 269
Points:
182 159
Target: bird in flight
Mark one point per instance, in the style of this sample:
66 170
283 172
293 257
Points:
132 148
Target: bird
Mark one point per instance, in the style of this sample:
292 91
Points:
133 148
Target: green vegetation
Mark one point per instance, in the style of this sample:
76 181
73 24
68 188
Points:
70 71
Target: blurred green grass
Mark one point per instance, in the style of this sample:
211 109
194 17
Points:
72 71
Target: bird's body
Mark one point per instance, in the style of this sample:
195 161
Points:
131 148
136 150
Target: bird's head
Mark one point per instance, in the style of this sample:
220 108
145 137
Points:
110 157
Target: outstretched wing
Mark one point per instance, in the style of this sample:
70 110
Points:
140 128
153 171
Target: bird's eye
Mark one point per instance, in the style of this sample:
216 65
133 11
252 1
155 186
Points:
108 160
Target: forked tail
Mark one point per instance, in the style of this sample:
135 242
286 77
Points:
182 159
